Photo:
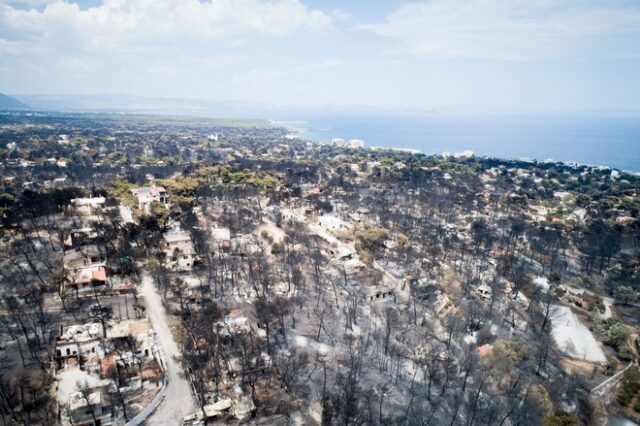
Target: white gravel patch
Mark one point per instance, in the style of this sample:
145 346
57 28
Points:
304 342
573 338
541 282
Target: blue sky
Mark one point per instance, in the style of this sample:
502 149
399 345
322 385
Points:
543 55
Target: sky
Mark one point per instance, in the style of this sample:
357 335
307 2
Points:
543 55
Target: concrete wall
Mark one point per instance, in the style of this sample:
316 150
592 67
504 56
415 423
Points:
142 416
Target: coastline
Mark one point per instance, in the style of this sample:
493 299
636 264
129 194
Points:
614 146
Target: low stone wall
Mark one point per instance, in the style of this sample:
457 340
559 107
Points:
597 390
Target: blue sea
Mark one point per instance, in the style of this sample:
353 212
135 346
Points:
607 141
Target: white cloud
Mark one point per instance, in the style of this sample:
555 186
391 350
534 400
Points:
130 25
341 15
142 45
320 64
30 3
512 29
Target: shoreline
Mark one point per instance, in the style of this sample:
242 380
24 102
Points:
416 151
605 144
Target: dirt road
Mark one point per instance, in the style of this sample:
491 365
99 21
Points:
178 401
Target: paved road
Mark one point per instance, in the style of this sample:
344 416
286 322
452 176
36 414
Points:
178 401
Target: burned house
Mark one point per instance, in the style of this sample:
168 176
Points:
89 206
90 408
80 345
179 251
86 267
379 293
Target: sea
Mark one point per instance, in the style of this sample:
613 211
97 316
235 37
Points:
604 141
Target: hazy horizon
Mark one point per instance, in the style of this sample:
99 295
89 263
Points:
96 102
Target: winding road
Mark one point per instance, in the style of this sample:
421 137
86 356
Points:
178 401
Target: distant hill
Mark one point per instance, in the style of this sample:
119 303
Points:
182 106
7 102
148 105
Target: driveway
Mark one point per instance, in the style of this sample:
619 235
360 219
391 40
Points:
178 401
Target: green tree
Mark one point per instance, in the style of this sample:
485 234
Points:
506 352
560 418
372 238
617 334
402 241
630 386
625 294
182 189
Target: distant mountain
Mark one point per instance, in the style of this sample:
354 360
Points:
193 107
151 105
7 102
118 103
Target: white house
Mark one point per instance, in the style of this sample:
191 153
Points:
148 194
356 143
88 206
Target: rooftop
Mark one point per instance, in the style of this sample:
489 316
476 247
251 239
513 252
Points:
130 328
77 400
81 332
153 191
175 237
95 201
89 274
